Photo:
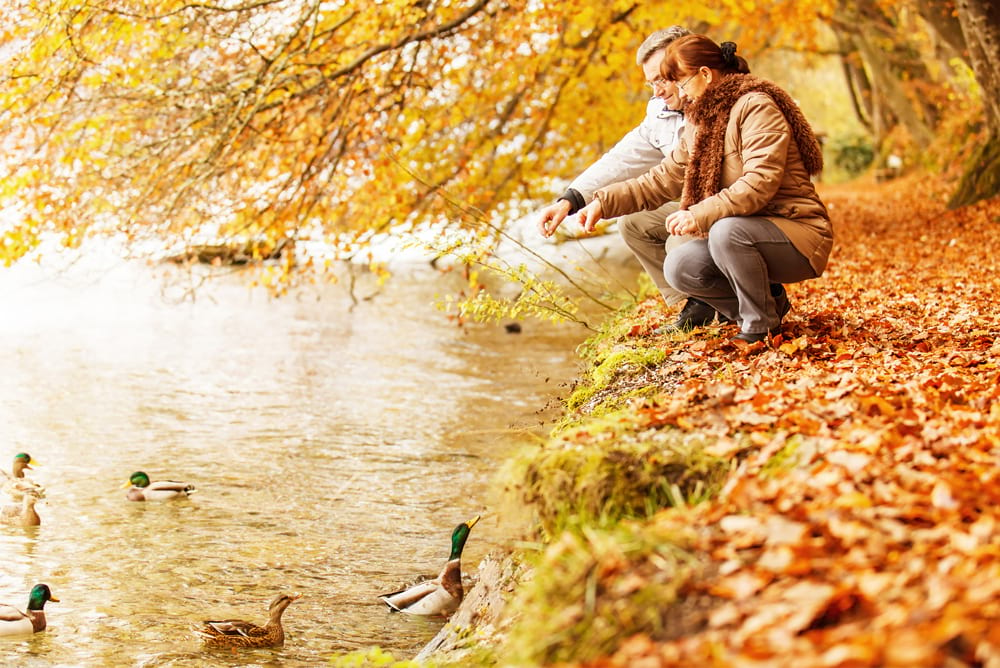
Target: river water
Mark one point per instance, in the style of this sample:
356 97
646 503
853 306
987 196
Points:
333 451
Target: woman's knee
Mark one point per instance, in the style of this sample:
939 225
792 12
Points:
680 266
729 234
726 230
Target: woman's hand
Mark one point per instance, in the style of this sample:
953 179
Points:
552 216
590 215
682 223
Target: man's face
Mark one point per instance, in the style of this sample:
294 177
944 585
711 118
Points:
665 90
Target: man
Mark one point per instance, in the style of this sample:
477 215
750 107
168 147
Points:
635 154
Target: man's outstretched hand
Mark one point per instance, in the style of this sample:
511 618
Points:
552 216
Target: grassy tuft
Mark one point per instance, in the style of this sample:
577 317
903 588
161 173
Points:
615 402
603 472
621 362
592 588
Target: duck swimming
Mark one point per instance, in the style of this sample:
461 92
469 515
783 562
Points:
141 489
14 483
14 622
237 633
21 514
443 594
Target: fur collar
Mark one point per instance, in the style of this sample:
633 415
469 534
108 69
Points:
710 112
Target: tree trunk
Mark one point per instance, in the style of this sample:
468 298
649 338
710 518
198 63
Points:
857 81
864 27
980 20
982 175
940 18
889 89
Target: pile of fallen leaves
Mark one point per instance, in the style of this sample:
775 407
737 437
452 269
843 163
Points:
880 546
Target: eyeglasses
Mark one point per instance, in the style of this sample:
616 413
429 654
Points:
685 82
658 82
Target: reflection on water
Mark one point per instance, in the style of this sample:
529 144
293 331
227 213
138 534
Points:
333 452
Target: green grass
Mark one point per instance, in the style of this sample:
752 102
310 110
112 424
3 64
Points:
593 588
603 471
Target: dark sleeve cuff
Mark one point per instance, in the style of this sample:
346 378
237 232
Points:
575 200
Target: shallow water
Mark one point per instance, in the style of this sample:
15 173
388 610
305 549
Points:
333 450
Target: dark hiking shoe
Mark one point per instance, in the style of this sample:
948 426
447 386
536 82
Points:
750 337
694 314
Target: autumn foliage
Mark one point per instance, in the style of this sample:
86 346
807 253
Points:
860 525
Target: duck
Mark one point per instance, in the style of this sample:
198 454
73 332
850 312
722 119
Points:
238 633
443 594
15 484
141 489
21 514
13 622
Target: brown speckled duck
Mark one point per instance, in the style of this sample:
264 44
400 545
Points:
237 633
21 514
442 595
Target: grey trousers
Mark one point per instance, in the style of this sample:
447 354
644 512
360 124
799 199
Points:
731 270
647 237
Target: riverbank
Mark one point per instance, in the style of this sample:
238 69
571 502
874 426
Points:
830 499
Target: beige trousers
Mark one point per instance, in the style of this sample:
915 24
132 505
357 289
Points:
647 237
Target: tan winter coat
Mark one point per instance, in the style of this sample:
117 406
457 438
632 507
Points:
762 175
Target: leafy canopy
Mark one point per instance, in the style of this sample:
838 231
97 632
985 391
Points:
169 123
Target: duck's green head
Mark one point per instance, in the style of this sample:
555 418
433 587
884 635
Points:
459 536
22 460
40 593
137 479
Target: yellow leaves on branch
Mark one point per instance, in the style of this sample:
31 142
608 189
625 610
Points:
180 116
168 119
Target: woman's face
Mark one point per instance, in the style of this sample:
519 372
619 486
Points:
693 84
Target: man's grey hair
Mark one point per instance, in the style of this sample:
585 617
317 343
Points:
658 40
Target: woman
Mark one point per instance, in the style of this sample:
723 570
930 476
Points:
742 173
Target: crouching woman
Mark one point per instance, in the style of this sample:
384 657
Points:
742 172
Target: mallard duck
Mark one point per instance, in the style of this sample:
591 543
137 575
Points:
21 514
13 622
441 595
141 489
15 484
237 633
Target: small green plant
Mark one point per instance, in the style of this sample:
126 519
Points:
784 459
853 154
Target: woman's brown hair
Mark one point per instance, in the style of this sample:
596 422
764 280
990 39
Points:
685 55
